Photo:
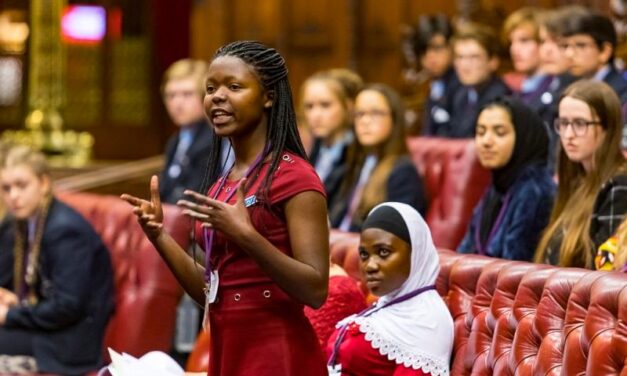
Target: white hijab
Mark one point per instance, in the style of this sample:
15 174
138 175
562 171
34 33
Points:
418 332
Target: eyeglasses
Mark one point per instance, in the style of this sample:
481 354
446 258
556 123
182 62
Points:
578 125
576 46
373 114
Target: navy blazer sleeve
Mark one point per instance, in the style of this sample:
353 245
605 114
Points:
71 260
468 242
6 255
405 185
529 219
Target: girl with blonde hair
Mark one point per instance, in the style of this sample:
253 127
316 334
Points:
328 100
56 278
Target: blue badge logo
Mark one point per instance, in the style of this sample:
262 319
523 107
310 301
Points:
250 201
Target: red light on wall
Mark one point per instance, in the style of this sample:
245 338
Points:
84 24
115 23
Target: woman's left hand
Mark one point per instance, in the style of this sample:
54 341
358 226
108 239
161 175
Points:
232 220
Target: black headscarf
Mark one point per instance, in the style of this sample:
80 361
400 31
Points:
531 147
387 218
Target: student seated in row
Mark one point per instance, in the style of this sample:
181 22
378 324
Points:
328 105
475 57
591 44
430 41
591 199
409 331
512 142
379 168
56 277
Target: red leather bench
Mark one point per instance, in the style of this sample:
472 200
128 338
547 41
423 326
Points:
517 318
146 292
454 181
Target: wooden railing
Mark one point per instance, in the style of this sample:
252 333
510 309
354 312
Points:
114 178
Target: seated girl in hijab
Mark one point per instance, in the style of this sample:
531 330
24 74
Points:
512 142
409 331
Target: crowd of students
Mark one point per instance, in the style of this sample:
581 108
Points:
549 132
550 135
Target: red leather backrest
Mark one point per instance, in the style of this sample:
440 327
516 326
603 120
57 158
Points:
462 285
455 181
480 337
576 352
604 327
146 292
518 318
344 252
499 317
448 258
550 318
525 343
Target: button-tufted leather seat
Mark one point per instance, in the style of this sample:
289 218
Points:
146 292
454 180
518 318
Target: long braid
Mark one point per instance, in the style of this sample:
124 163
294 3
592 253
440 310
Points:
282 130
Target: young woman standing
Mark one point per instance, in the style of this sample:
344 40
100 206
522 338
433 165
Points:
262 224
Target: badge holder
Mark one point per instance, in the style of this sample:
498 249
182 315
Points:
211 292
334 370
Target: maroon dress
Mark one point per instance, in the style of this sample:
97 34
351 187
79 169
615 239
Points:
344 299
358 358
256 328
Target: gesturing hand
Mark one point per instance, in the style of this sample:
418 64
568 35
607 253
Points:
149 213
7 297
232 220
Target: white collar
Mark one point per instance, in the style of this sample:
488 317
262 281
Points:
418 332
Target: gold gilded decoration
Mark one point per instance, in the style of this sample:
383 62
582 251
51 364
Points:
46 89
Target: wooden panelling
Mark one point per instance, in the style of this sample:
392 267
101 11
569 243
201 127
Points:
318 37
379 41
311 25
364 35
209 30
255 20
417 7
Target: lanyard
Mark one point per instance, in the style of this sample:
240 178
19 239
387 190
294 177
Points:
369 311
208 233
483 248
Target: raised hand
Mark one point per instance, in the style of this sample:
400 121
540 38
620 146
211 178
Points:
149 213
232 220
7 297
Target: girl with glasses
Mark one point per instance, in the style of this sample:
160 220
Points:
379 168
591 198
512 142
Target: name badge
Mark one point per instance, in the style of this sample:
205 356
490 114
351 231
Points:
211 292
250 201
334 370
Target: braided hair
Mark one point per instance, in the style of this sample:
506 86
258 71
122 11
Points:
282 132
